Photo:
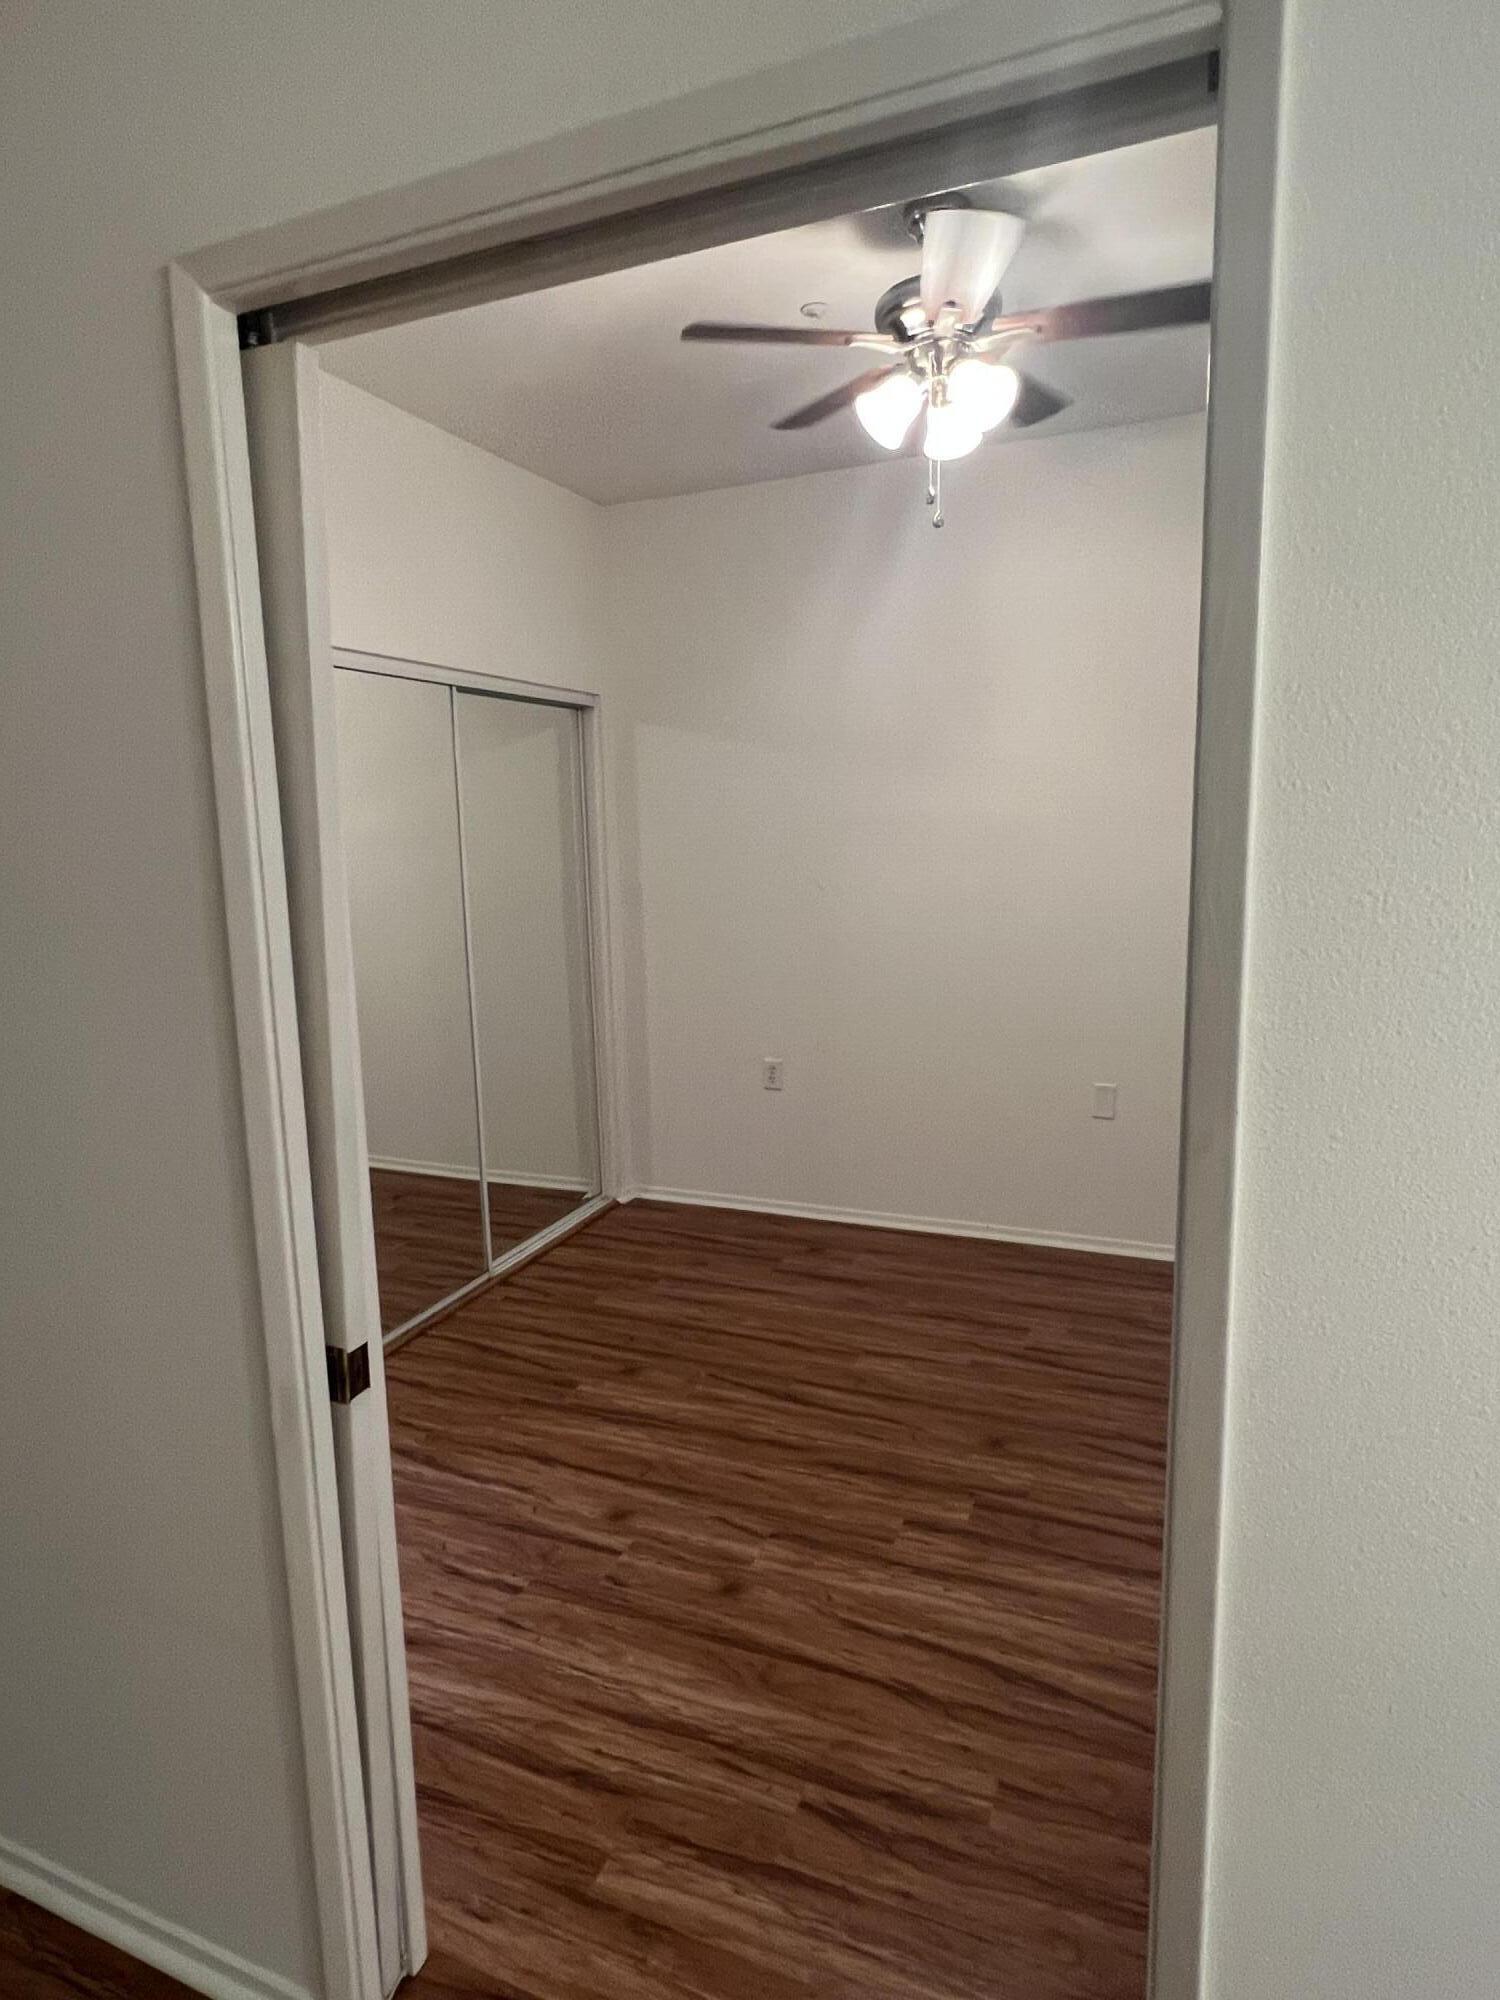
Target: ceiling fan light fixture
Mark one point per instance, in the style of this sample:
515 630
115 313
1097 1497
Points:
984 390
888 411
965 252
951 432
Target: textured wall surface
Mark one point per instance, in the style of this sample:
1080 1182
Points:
1357 1790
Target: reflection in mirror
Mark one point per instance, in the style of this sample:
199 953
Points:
519 771
399 812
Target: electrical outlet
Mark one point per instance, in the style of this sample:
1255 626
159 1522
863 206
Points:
1104 1100
771 1072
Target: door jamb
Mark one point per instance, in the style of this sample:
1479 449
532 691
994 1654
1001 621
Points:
722 134
253 868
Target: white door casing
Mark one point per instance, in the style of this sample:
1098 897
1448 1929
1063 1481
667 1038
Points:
286 459
920 77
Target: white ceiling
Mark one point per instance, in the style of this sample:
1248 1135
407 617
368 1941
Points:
589 385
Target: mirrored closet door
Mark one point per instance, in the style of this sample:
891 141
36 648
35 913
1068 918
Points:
520 786
466 845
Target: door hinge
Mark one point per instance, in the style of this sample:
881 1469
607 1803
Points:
348 1372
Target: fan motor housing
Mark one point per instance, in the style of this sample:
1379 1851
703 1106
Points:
894 305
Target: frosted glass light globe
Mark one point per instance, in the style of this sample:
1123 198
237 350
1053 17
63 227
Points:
986 390
951 432
887 411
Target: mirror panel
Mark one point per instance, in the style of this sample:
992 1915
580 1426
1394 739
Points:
398 809
520 782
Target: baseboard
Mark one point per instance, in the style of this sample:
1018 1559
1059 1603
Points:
205 1967
928 1225
566 1183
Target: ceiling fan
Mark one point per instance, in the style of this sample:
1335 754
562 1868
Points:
947 341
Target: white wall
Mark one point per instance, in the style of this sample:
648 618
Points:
909 808
147 1732
906 808
1356 1841
438 551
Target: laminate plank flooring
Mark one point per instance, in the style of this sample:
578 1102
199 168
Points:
429 1240
518 1212
428 1235
782 1614
42 1957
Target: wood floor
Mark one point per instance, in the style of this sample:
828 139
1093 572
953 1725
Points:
519 1212
429 1240
782 1609
42 1958
782 1612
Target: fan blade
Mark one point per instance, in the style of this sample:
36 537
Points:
784 336
1035 403
1130 312
836 400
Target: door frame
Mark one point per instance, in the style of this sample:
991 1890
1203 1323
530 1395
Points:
839 111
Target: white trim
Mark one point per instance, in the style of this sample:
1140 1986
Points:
284 409
470 984
253 868
567 1183
206 1968
604 987
926 1225
1229 629
561 1183
395 668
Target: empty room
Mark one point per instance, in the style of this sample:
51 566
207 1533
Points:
764 684
733 718
654 1347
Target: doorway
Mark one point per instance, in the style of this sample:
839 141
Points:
839 1446
1249 361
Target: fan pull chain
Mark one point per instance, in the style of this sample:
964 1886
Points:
935 490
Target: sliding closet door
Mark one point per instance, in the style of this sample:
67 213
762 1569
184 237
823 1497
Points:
399 808
520 783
